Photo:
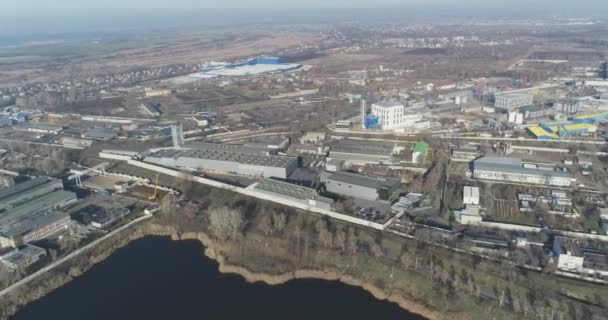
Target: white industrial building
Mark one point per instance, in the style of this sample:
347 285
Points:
393 115
157 92
470 215
470 195
510 101
515 117
514 170
569 255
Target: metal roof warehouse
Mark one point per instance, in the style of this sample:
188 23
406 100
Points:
226 160
513 169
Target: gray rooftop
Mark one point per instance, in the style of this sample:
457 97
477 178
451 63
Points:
290 190
22 187
35 206
227 154
256 149
362 147
512 165
99 134
565 245
466 148
534 108
32 223
151 107
388 104
514 94
374 182
44 126
15 194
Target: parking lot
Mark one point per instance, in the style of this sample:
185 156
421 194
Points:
377 211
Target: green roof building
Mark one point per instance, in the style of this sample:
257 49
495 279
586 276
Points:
420 151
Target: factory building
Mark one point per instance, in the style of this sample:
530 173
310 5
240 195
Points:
568 253
344 125
292 192
457 97
151 108
23 257
595 118
362 152
393 115
470 215
32 211
101 216
568 106
230 159
514 170
556 130
26 191
362 186
537 111
465 153
44 128
157 92
34 228
99 135
515 117
470 195
510 101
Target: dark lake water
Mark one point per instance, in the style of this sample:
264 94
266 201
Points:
156 278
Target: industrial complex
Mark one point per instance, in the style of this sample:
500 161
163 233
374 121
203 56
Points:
454 154
32 211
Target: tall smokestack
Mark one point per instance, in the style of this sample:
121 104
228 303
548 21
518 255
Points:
363 113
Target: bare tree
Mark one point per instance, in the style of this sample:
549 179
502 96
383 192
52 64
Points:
225 222
325 236
280 221
340 239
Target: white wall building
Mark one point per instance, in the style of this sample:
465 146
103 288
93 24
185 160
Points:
470 195
157 92
568 253
393 115
514 170
470 215
510 101
516 117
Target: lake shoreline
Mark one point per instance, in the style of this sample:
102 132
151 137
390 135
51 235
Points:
68 271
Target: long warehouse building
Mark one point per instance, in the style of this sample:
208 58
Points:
292 192
515 170
26 191
226 160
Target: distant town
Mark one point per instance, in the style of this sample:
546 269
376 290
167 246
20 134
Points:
486 142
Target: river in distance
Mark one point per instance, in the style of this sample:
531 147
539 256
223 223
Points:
156 278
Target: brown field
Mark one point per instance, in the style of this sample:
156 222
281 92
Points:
185 49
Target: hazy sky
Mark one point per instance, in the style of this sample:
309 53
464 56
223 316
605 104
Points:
35 17
72 6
